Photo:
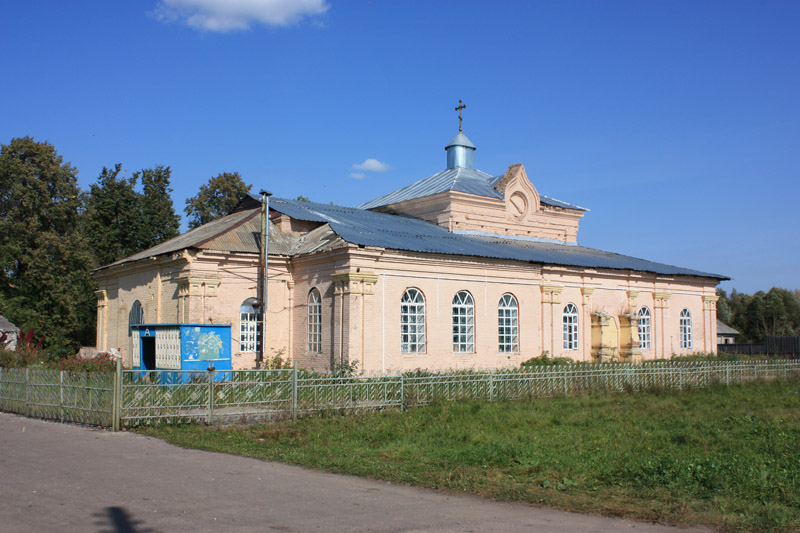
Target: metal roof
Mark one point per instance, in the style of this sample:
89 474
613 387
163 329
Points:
7 326
398 232
460 140
190 238
725 330
468 180
240 232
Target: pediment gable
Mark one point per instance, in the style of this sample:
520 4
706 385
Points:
521 197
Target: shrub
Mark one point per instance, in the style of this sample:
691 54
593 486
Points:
546 360
101 363
28 353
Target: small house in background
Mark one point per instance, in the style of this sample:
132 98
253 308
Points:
725 333
9 333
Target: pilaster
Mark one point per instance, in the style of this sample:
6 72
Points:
102 319
550 295
349 291
710 323
586 322
191 289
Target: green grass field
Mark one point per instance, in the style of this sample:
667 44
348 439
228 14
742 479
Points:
723 457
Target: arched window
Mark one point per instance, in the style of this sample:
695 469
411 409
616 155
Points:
686 329
644 328
463 323
570 321
136 316
412 322
314 322
508 324
249 326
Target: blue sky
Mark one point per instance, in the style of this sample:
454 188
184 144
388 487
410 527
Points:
676 122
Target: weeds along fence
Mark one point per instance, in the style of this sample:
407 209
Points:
130 398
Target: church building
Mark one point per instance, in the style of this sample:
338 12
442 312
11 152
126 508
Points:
462 269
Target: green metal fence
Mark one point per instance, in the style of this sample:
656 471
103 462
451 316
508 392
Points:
82 397
129 398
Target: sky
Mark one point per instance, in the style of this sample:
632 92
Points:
677 123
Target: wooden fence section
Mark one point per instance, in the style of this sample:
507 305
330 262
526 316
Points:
741 349
784 347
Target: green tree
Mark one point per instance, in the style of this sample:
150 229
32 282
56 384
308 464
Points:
44 257
113 218
723 307
216 198
755 316
159 220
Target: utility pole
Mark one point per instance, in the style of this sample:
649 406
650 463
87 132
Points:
262 274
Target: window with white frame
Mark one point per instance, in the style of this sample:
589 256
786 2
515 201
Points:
570 321
412 322
314 322
508 324
686 329
463 323
249 326
644 328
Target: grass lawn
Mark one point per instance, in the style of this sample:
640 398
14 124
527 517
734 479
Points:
724 457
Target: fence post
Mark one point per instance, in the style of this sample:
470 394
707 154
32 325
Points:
210 417
727 374
565 382
680 378
116 411
402 393
27 392
491 387
294 390
61 394
87 388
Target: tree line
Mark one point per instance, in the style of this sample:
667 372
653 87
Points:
53 234
755 316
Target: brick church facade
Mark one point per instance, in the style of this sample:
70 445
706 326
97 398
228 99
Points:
459 270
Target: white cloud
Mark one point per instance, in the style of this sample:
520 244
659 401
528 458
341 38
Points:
372 165
230 15
358 175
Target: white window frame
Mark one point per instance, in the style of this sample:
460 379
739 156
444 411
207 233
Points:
463 323
412 321
645 328
508 324
569 320
250 326
314 321
686 330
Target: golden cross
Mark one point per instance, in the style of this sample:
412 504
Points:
459 108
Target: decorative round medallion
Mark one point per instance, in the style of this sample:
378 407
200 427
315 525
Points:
519 204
